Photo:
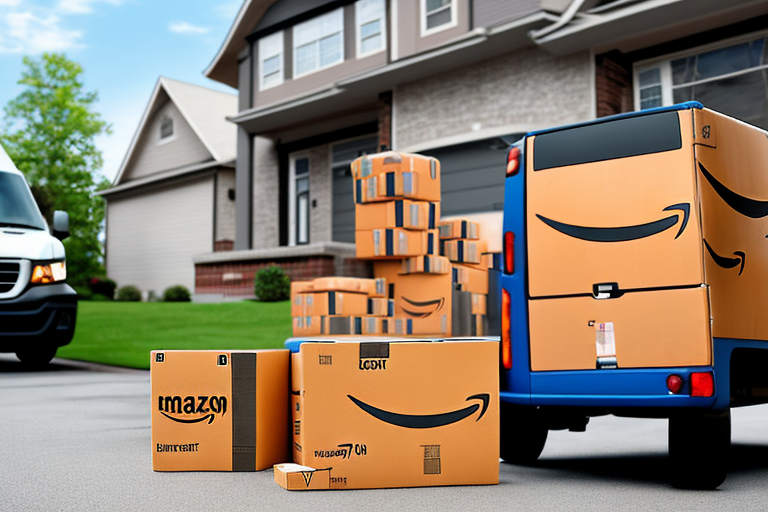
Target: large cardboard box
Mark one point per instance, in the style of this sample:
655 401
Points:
400 213
422 299
394 414
371 287
335 303
219 410
388 161
426 265
397 185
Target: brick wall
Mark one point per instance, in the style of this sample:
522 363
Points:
225 207
613 84
266 193
527 88
320 194
236 279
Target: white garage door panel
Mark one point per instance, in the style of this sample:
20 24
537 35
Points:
151 238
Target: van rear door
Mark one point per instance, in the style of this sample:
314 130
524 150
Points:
614 239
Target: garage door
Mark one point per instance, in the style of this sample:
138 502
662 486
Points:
151 237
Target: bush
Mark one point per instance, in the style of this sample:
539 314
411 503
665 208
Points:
176 293
272 284
97 297
83 292
103 286
129 293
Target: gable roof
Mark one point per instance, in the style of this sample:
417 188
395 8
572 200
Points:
205 110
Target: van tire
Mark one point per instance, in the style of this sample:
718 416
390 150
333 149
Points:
36 358
523 434
698 449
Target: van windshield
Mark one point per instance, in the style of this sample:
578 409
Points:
17 205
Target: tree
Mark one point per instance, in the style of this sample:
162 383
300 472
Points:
49 132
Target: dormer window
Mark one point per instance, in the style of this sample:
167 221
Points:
437 15
166 127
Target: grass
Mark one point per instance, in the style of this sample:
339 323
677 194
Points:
123 333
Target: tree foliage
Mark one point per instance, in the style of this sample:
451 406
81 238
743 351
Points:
49 131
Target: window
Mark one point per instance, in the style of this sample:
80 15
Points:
731 79
437 15
271 61
318 43
166 127
298 213
371 26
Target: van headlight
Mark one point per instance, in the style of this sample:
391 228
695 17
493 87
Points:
49 273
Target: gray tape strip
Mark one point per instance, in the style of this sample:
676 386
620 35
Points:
243 412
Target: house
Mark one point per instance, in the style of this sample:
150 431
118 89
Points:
322 82
174 194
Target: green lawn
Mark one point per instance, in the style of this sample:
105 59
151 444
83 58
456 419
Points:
123 333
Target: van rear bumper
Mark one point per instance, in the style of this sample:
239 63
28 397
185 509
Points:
612 389
41 316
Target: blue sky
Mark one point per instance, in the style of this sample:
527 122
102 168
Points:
123 46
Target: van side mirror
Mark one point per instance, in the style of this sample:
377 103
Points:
60 224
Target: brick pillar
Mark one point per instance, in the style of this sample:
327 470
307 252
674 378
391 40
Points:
385 121
613 84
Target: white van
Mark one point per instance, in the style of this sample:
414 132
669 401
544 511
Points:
37 308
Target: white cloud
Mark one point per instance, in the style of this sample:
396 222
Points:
25 32
10 3
182 27
226 10
80 6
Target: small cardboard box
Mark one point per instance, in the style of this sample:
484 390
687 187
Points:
397 185
395 243
335 303
471 279
389 161
459 229
373 414
371 287
424 300
400 213
478 304
426 265
465 251
219 410
307 325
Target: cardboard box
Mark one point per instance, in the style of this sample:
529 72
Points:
395 243
379 414
464 251
400 213
307 325
397 185
459 229
219 410
335 303
371 287
389 161
471 279
381 307
426 265
478 304
423 299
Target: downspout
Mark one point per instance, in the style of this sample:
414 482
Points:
565 18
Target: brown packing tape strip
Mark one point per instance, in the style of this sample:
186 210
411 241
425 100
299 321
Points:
243 411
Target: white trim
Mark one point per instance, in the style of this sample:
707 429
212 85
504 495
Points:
292 220
423 19
394 25
383 34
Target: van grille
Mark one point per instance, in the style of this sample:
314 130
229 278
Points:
9 274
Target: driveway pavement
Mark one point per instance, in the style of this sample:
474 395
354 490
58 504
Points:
77 437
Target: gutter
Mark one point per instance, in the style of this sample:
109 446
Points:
165 176
566 18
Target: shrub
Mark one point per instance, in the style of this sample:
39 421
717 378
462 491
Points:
103 286
129 293
97 297
83 292
176 293
272 284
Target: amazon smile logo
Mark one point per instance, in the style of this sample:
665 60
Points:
725 262
425 420
751 208
203 408
422 309
622 233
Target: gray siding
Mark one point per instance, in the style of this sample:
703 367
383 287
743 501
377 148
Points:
152 155
284 10
152 236
266 194
519 91
489 13
409 38
225 207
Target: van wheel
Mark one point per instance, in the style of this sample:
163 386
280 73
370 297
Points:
36 358
698 449
523 434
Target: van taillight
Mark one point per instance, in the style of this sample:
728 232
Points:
513 161
506 334
509 252
702 384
